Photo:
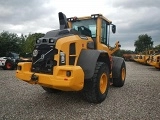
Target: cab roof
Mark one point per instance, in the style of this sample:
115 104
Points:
93 16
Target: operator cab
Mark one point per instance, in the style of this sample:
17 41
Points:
93 26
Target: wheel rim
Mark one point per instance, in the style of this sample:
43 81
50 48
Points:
8 65
123 74
103 83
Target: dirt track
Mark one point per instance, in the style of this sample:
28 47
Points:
139 98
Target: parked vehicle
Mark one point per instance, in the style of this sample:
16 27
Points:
10 61
76 57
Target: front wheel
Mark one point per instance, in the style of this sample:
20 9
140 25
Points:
96 89
119 82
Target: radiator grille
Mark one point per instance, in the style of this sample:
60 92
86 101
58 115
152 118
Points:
44 61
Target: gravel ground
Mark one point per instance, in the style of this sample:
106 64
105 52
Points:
138 99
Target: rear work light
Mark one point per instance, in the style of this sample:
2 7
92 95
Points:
94 16
73 19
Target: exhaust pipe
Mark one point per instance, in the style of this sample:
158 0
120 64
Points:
63 21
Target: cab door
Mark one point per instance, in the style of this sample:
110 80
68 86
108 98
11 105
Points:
103 35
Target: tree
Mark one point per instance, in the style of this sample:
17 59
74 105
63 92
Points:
30 41
143 43
22 44
9 42
157 47
120 52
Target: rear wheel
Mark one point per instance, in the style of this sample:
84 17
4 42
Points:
51 90
119 82
96 89
9 65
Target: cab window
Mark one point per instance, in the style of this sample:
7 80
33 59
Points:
89 24
104 27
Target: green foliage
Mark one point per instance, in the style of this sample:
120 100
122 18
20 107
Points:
120 53
22 43
157 47
144 42
30 41
11 42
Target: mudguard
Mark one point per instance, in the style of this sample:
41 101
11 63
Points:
116 66
88 59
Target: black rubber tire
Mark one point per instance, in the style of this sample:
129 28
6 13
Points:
91 91
51 90
9 65
119 82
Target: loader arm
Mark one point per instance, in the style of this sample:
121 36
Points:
117 47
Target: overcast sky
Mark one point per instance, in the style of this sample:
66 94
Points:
132 17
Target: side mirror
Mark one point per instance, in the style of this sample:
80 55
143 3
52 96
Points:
114 28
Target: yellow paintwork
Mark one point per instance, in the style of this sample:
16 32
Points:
149 61
123 74
103 83
141 59
63 45
99 45
154 61
150 57
89 17
58 80
146 57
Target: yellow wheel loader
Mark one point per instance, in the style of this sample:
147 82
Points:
144 57
77 57
137 57
154 59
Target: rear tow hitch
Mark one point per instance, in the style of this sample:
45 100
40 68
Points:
34 78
